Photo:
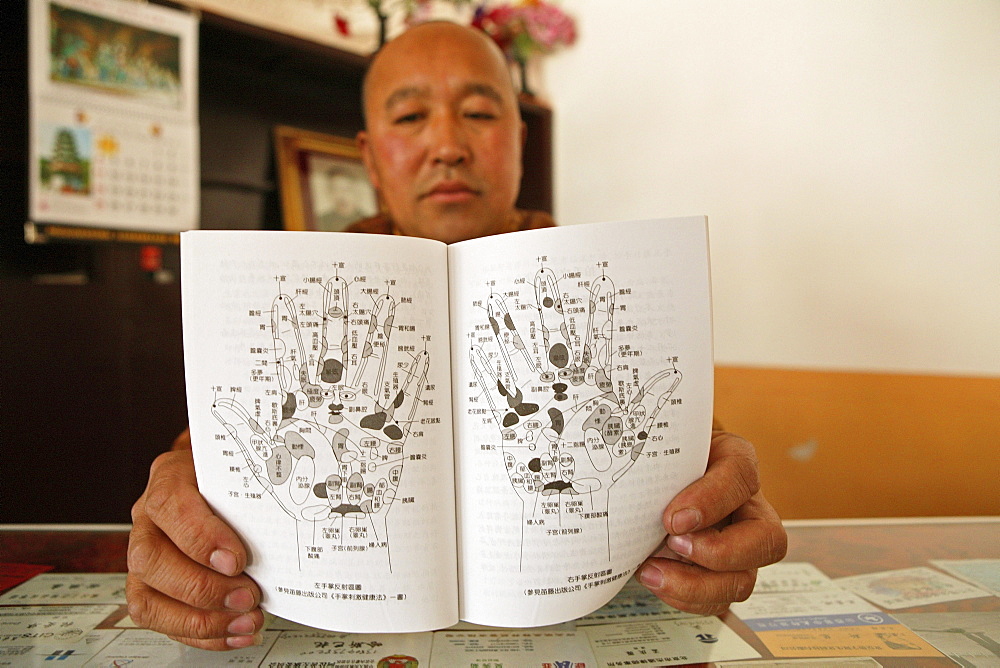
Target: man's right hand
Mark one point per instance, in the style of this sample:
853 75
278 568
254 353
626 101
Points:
185 565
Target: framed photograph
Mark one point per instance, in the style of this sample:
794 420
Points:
323 182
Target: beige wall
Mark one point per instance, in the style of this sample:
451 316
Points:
847 155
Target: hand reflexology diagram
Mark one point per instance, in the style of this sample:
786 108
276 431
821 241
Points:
573 412
330 452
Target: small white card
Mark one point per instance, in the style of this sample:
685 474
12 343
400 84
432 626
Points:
842 662
141 647
790 577
983 573
909 587
63 654
667 643
68 588
525 649
633 603
25 624
350 650
970 638
806 604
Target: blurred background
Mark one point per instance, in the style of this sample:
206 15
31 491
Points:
847 155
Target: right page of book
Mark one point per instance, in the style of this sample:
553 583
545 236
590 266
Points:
583 378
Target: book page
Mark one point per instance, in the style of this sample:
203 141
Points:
318 385
583 376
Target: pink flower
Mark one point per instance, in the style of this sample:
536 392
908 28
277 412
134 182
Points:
548 26
526 28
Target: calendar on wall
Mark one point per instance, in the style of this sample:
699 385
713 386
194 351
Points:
114 131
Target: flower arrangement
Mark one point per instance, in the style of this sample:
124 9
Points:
526 28
523 29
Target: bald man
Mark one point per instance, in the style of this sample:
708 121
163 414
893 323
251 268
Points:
443 136
442 145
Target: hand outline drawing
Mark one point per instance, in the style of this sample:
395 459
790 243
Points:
336 450
572 415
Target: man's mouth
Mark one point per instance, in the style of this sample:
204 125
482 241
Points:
448 192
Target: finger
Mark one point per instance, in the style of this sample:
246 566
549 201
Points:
333 354
204 629
418 372
384 419
506 378
380 328
598 346
662 551
753 538
501 321
730 480
694 589
645 406
485 377
380 323
220 645
287 345
253 440
551 314
368 347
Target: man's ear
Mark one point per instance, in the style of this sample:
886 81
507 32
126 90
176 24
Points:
365 148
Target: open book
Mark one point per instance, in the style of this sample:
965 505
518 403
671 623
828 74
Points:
406 433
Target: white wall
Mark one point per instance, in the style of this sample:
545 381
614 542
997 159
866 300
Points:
847 154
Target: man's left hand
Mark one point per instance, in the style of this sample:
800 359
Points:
720 530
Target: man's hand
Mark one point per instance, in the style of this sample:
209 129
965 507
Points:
185 565
721 530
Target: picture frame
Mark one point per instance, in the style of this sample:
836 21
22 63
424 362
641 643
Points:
323 182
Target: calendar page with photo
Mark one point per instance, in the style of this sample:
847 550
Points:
114 134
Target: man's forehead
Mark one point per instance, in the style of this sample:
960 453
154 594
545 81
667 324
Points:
431 53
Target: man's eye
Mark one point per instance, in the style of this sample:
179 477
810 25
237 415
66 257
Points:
481 115
408 118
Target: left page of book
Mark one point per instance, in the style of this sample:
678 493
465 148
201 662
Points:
318 388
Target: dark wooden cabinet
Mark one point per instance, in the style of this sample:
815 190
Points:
92 369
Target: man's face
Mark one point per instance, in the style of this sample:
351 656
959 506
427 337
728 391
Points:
444 135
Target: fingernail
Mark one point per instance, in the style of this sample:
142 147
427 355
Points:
224 562
685 521
680 544
241 626
239 600
239 642
651 576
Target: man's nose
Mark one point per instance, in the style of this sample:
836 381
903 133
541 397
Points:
449 146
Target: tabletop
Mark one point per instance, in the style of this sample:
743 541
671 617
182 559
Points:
838 548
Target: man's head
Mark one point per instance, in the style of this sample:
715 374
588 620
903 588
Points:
443 135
